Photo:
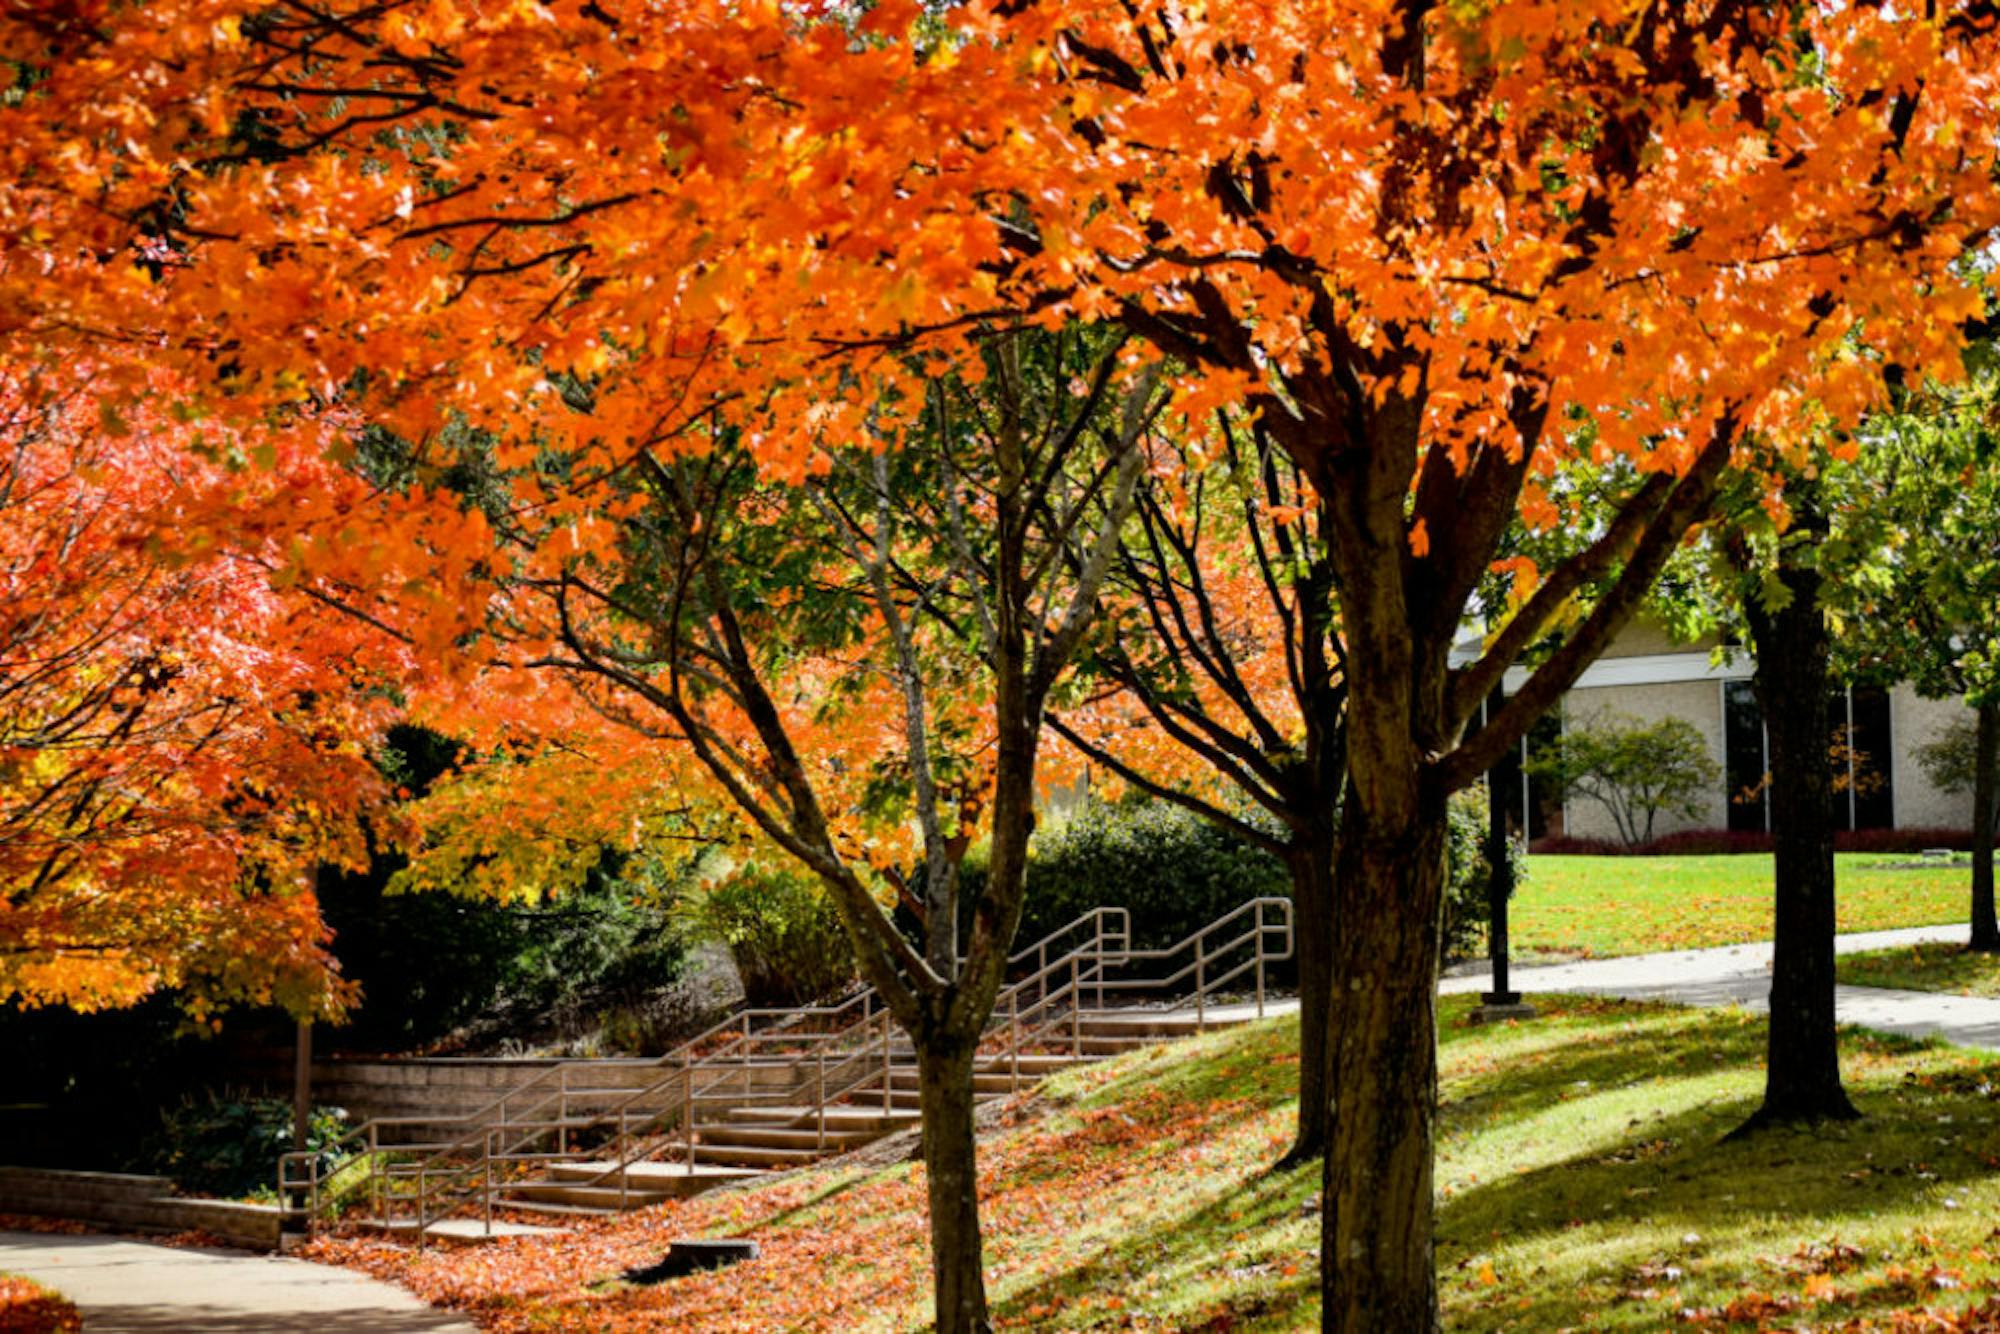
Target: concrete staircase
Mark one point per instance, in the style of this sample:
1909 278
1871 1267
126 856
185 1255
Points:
740 1144
773 1090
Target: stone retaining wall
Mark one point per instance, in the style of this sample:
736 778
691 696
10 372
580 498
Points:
126 1203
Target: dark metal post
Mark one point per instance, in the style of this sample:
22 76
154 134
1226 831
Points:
1502 1002
1499 888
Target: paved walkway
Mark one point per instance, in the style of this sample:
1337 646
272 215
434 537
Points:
1735 975
1741 975
121 1284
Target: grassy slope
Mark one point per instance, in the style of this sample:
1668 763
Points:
1632 905
1581 1177
1938 966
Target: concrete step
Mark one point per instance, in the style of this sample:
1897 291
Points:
994 1082
749 1155
1162 1024
670 1179
622 1095
601 1198
1032 1064
777 1137
838 1117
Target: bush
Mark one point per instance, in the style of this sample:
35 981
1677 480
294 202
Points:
227 1144
782 931
434 965
1172 870
1176 872
1468 875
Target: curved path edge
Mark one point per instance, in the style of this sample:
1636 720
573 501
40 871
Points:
123 1285
1741 975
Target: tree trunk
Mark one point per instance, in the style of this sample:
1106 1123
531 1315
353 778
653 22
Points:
1985 930
1376 1251
1802 1076
944 1084
1312 903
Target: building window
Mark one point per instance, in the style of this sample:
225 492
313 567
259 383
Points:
1871 803
1531 808
1744 759
1863 797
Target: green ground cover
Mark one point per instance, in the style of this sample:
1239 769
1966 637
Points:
1602 906
1940 966
1583 1177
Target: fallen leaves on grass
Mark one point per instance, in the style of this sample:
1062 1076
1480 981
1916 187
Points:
841 1249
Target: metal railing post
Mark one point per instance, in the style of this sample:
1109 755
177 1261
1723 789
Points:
687 1113
1260 958
1200 983
562 1109
1014 1039
1075 1011
1100 967
888 1074
423 1192
624 1161
375 1165
486 1188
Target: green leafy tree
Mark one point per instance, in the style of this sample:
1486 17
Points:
1928 605
1636 771
1787 537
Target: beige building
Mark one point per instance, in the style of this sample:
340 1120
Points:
1647 676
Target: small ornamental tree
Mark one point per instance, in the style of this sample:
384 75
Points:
1637 771
1951 759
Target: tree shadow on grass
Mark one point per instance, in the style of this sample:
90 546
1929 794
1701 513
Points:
1177 1249
1630 1201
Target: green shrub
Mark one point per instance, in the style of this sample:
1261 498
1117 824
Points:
1176 872
1172 870
1468 873
783 932
227 1144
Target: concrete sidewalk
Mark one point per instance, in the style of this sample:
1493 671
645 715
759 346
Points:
122 1284
1741 975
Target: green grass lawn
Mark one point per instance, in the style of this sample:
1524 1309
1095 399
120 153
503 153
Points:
1946 966
1582 1176
1600 906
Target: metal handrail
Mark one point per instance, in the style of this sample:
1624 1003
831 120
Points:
822 1066
1086 967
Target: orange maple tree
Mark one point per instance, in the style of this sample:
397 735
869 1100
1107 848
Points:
179 747
1438 250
